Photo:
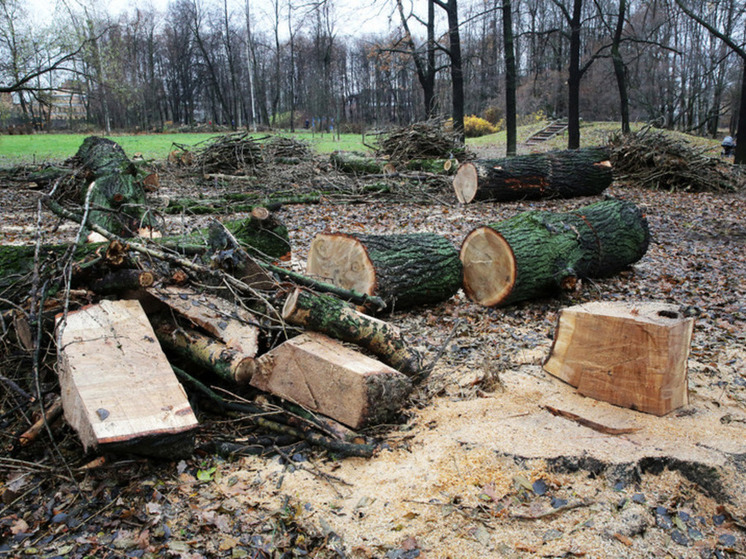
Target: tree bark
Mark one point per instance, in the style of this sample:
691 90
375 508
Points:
355 163
118 197
403 270
562 174
510 79
330 316
619 69
538 253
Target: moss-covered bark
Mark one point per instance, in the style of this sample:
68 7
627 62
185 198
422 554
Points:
330 316
413 269
118 196
535 253
355 163
562 174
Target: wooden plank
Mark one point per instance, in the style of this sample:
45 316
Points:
118 388
327 377
230 323
629 354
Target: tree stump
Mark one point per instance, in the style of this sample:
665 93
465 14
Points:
118 189
628 354
560 174
403 270
537 253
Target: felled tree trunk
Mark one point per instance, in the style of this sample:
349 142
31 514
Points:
262 234
537 253
330 316
118 190
355 163
560 174
439 166
403 270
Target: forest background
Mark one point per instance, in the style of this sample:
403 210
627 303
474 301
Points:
289 64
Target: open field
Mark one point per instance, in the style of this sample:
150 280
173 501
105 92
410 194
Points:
38 148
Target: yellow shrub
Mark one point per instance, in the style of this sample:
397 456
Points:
475 126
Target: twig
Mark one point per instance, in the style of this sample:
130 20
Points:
605 429
550 512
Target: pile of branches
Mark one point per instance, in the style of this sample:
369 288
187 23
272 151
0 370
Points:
229 154
661 162
421 140
281 149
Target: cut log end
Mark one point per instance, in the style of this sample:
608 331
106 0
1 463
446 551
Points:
342 261
489 266
465 182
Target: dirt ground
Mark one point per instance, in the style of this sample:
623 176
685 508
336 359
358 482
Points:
477 466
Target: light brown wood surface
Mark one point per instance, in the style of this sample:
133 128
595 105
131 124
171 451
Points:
342 261
230 323
324 376
629 354
116 382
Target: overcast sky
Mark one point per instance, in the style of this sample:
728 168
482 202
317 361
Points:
353 17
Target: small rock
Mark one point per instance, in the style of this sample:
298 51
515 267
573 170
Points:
718 519
638 498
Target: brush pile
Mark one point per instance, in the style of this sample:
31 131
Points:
286 150
421 140
229 154
660 162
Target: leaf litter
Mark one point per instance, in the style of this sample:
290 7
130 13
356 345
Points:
476 467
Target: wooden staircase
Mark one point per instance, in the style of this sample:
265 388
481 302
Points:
548 132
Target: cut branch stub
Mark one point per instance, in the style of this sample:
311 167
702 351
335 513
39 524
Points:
537 253
403 270
330 316
562 174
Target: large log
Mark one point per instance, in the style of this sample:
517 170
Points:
560 174
355 163
629 354
403 270
537 253
118 194
330 316
118 389
326 377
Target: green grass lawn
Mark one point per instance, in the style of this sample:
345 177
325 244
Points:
38 148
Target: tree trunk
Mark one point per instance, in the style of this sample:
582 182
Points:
561 174
118 190
330 316
740 157
403 270
573 81
537 253
619 69
355 163
510 78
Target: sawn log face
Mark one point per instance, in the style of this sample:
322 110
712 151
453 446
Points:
404 270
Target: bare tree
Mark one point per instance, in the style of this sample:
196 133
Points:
740 51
